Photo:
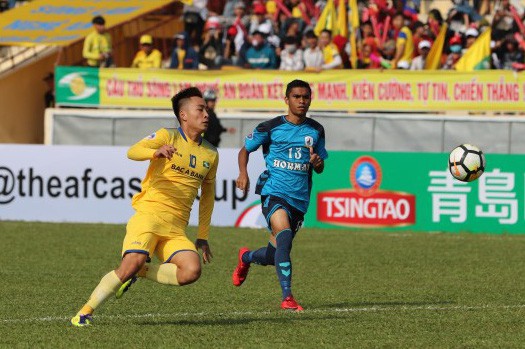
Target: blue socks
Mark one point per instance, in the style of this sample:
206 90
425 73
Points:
262 256
280 257
283 264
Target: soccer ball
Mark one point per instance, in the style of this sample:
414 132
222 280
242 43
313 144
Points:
466 162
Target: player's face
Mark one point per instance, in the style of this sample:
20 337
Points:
194 114
299 101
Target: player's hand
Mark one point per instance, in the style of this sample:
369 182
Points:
315 159
166 151
243 182
206 251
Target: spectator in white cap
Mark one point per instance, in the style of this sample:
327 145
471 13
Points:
471 34
423 48
403 65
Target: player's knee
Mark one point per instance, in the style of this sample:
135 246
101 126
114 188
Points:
189 274
130 265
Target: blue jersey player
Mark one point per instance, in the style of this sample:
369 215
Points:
293 147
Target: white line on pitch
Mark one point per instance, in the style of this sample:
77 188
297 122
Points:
307 311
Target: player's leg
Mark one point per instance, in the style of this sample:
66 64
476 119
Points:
262 256
283 235
137 246
181 263
109 285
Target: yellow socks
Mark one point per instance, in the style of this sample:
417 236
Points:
107 287
163 274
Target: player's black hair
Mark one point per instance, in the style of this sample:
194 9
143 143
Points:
297 83
178 99
98 20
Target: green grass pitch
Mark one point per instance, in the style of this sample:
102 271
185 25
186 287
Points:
360 289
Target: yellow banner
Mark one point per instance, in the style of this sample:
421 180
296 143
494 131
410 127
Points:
348 90
60 22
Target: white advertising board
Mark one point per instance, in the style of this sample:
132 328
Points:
95 184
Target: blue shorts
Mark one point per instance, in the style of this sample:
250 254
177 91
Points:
271 203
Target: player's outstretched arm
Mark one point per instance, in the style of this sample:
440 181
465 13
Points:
243 181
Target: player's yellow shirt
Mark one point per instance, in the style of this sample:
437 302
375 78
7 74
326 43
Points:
143 61
94 45
405 37
170 186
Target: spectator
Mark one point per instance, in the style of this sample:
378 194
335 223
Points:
148 57
232 47
503 23
369 55
49 96
455 53
510 54
260 54
238 16
194 17
312 55
418 32
366 30
291 55
292 28
332 58
97 45
215 128
418 63
343 47
462 14
259 13
183 55
389 51
211 52
404 41
471 34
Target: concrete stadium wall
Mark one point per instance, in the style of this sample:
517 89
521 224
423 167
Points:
22 102
367 132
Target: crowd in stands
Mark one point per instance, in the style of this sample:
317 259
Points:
282 34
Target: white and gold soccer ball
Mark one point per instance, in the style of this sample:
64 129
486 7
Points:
466 162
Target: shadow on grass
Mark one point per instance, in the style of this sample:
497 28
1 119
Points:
346 305
225 321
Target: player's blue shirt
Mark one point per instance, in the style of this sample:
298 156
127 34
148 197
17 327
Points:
285 148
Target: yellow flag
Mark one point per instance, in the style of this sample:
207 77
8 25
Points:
327 19
477 56
354 17
354 22
342 26
434 55
187 2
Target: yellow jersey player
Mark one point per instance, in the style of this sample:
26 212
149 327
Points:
181 162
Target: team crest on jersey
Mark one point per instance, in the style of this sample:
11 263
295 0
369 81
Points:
308 141
250 136
151 136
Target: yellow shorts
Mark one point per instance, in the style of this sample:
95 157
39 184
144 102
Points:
149 234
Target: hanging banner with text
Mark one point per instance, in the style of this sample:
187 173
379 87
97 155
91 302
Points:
95 184
415 191
61 22
337 90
